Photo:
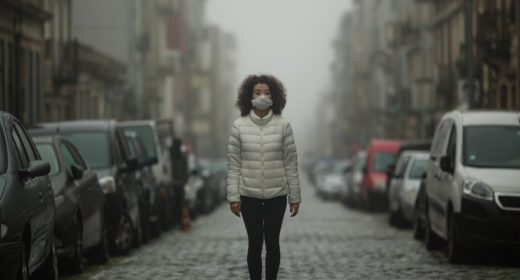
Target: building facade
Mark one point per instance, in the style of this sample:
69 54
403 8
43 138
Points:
22 49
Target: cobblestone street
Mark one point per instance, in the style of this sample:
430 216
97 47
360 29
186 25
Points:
325 241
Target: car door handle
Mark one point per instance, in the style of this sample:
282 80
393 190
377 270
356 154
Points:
41 196
438 177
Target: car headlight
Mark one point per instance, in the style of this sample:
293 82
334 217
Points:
108 184
477 189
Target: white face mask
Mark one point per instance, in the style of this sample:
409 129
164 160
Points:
262 102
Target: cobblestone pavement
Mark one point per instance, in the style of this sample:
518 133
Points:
325 241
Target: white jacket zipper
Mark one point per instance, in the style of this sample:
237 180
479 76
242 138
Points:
262 160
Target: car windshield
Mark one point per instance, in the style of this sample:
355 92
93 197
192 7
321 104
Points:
418 168
146 134
93 147
340 167
491 146
48 154
360 163
383 161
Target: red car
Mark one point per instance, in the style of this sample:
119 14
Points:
381 154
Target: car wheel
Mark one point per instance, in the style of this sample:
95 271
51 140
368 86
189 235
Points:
124 238
100 252
369 202
23 269
431 240
145 224
137 236
456 248
418 226
77 262
393 220
49 268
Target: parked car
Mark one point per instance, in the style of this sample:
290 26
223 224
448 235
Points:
102 146
180 174
334 183
149 207
353 194
159 152
178 167
416 145
419 217
214 176
380 155
403 189
194 188
318 168
472 194
79 199
27 210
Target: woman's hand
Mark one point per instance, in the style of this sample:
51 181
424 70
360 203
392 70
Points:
294 207
235 208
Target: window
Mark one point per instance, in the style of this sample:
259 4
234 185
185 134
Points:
2 76
491 146
26 142
9 58
147 136
75 154
38 86
440 138
67 156
360 162
383 161
452 145
418 168
401 165
21 158
3 153
93 147
48 154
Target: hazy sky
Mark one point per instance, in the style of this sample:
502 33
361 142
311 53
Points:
291 39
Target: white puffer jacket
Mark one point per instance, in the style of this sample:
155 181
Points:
262 161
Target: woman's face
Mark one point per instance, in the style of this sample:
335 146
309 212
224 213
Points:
261 89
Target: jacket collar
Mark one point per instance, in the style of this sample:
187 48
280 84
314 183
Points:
261 121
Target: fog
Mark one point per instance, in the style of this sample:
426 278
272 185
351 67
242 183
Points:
291 39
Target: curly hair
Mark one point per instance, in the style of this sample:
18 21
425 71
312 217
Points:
245 93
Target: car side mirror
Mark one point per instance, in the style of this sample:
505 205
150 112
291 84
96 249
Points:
194 172
76 172
446 164
423 176
36 168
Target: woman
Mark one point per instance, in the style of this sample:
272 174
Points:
263 169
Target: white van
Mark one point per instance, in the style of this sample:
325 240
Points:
473 182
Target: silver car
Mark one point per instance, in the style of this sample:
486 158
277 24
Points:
410 168
353 193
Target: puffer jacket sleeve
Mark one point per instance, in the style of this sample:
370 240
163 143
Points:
234 156
290 160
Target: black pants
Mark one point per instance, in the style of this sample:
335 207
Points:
263 219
